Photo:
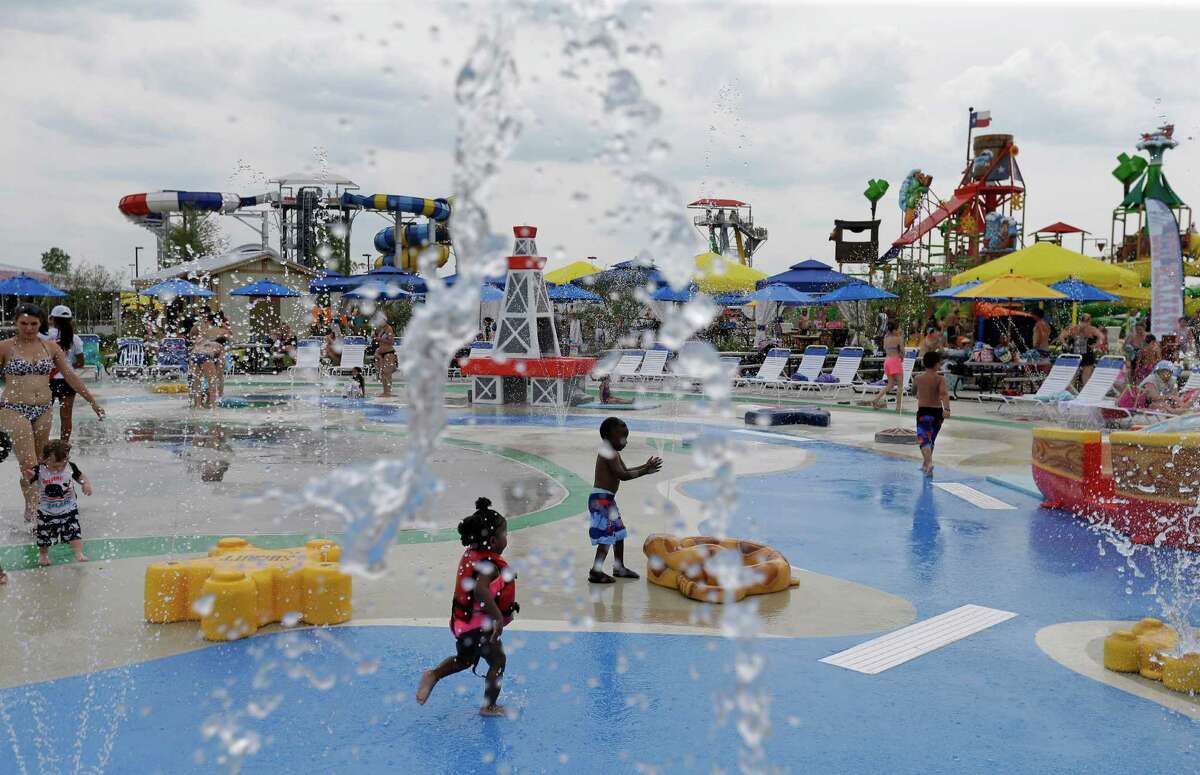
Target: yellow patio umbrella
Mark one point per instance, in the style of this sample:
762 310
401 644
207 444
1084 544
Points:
571 272
1047 263
717 274
1010 287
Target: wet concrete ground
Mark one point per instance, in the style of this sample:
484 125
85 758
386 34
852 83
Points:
604 679
162 469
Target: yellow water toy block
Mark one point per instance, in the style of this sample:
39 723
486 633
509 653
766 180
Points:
238 588
1145 649
169 387
678 563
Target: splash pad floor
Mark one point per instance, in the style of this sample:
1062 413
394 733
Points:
601 679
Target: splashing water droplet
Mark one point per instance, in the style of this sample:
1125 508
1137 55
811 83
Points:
203 605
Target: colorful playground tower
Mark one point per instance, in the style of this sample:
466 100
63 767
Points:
526 366
1144 180
984 218
307 210
722 219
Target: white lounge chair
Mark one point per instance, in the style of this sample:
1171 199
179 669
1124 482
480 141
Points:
844 372
1094 394
770 371
908 364
354 353
811 364
686 370
627 366
652 366
1057 382
131 357
308 356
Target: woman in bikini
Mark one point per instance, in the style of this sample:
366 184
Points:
203 359
26 363
385 355
893 367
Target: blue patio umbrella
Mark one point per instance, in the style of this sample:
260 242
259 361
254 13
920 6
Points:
855 292
783 294
265 289
490 293
677 295
390 275
497 281
809 277
374 290
173 288
332 281
24 285
1079 291
628 273
566 292
947 293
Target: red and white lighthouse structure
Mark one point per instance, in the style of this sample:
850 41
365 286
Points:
526 365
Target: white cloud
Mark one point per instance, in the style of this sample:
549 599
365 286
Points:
791 108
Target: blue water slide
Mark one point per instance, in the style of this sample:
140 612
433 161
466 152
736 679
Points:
434 209
414 234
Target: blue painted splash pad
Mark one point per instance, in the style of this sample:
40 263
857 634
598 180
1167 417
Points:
609 701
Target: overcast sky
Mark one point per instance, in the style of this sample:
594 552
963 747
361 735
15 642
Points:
791 108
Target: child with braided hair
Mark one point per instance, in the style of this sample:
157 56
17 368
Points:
484 603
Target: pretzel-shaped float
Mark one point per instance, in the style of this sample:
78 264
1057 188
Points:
678 563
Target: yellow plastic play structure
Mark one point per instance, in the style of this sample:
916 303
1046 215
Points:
169 387
1144 650
238 588
678 563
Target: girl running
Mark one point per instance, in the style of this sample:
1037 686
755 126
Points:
485 591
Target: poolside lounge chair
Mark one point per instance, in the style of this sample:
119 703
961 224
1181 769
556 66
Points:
627 366
1057 382
131 357
770 371
308 355
354 353
686 374
92 360
844 371
171 358
652 365
909 363
1094 394
811 364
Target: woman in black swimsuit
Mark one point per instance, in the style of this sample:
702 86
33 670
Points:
26 362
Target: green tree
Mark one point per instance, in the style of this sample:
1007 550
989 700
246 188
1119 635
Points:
195 235
92 291
56 261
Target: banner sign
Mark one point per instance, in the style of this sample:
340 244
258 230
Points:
1166 268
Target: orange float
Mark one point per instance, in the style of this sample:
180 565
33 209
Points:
678 563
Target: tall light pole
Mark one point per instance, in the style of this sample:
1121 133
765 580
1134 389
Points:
366 262
136 250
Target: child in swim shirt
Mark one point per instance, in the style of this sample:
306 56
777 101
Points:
58 511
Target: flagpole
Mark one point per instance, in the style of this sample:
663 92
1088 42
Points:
970 112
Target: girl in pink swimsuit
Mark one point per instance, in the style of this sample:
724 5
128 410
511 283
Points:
893 366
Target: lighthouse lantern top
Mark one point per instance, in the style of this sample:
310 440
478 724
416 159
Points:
525 250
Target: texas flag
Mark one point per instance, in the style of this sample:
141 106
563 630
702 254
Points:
980 118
